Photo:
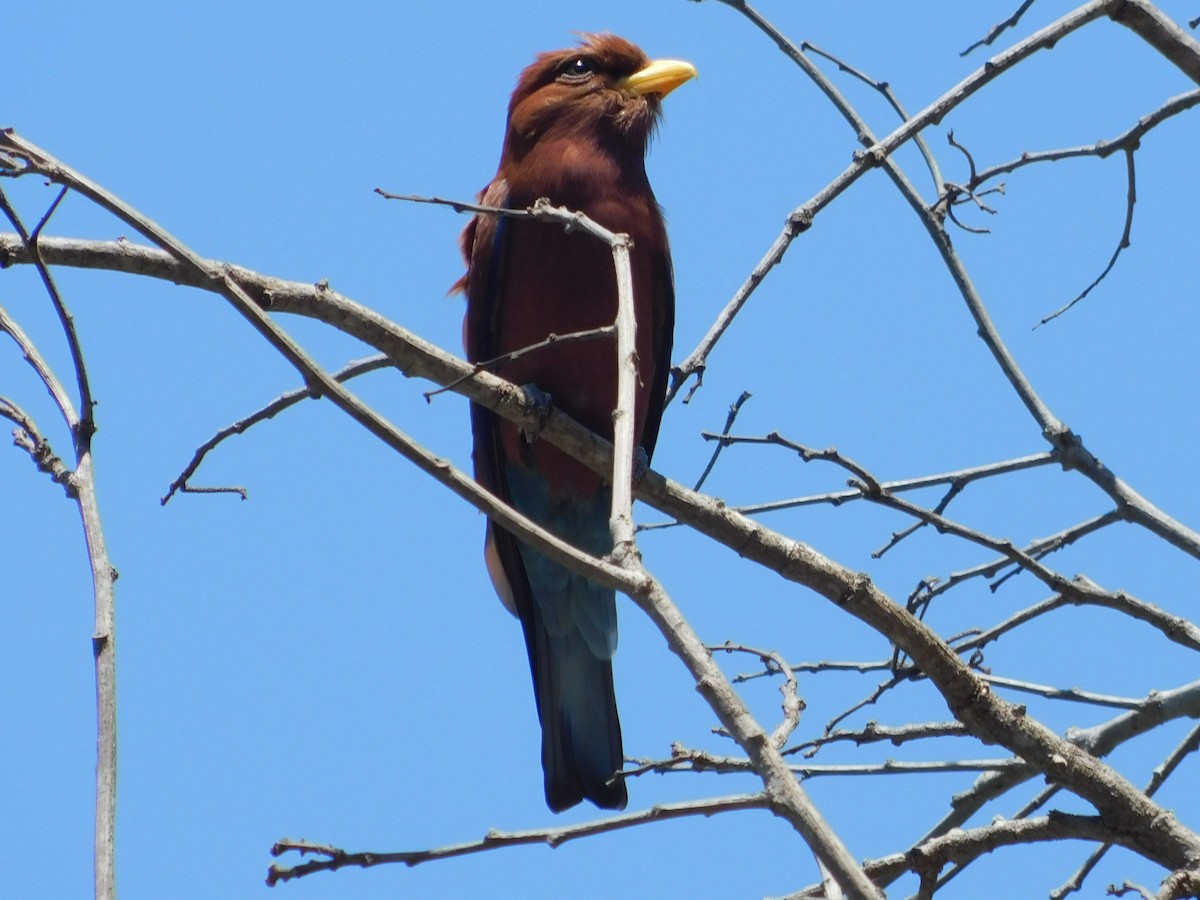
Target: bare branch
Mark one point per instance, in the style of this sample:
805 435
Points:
986 715
999 28
929 856
82 425
1185 748
1182 702
272 409
792 704
417 358
889 95
551 340
38 363
787 798
620 521
734 409
698 761
837 498
80 487
873 733
1129 887
1051 692
1153 27
1121 244
29 438
1158 30
1127 141
800 219
335 858
1038 548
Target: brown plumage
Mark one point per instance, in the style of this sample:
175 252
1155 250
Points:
578 126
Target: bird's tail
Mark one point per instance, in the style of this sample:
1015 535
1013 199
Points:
570 626
581 734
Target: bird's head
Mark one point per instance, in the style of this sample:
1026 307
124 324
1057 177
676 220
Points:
606 89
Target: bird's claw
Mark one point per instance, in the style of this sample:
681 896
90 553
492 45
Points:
541 405
641 464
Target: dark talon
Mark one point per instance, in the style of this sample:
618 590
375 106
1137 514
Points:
641 464
541 405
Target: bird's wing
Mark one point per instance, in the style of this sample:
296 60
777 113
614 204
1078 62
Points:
483 246
664 329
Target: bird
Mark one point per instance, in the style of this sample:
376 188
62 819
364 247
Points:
578 126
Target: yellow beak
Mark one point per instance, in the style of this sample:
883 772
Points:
660 77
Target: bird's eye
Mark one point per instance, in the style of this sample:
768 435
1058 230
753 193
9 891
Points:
576 69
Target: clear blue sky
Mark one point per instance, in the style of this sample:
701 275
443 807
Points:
328 660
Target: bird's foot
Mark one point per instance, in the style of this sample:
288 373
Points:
641 464
541 405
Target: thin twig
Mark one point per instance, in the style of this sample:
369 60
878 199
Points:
955 489
551 340
1037 548
873 733
29 438
792 704
620 522
837 498
1149 23
272 409
893 101
1122 243
31 354
999 28
878 153
82 426
685 760
1127 142
734 409
1074 695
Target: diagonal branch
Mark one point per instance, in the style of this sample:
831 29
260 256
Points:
1161 32
1153 27
988 717
877 153
786 797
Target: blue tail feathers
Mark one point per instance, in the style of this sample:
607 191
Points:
571 636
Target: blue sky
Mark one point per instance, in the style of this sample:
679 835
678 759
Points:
327 660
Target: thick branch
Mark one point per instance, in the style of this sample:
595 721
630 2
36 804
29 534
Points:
1159 31
787 799
969 698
